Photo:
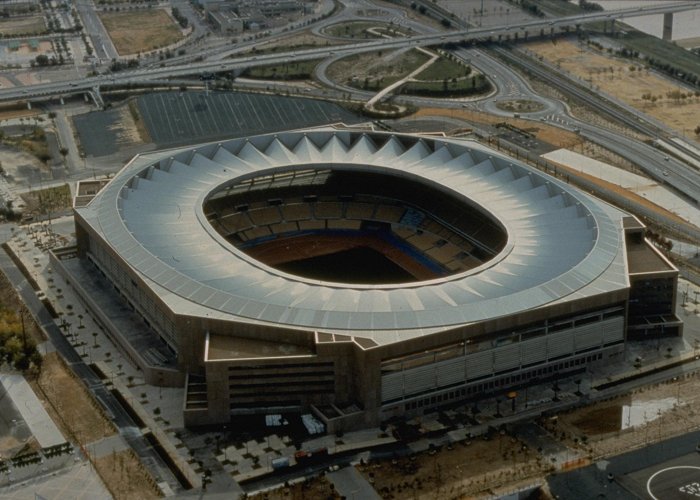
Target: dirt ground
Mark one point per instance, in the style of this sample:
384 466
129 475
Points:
10 300
23 26
81 420
317 487
465 471
562 139
8 113
140 31
299 40
69 403
625 79
48 199
551 135
43 48
125 477
131 128
482 469
628 194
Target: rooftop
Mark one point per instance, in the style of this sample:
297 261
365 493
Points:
643 258
561 244
222 347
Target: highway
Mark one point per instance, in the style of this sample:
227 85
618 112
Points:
654 162
141 76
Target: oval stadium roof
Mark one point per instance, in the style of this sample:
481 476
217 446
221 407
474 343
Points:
562 244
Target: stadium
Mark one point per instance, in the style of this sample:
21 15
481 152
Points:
364 275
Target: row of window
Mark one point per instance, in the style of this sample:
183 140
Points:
500 383
280 366
316 374
498 339
147 307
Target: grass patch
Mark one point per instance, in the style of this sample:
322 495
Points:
301 70
70 404
520 106
359 29
374 71
444 68
32 142
53 199
33 25
476 84
140 31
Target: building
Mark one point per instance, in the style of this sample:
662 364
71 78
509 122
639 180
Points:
234 16
225 21
366 275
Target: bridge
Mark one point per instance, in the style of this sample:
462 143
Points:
495 33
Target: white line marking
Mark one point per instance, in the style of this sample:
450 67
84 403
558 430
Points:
664 470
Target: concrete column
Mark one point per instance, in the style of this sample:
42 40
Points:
668 26
29 105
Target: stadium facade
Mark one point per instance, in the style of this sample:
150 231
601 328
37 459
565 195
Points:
476 274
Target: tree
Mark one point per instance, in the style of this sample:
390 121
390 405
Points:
42 60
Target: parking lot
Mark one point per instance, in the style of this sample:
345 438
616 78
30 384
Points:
178 118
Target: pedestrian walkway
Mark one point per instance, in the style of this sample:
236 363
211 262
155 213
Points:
350 484
79 481
33 413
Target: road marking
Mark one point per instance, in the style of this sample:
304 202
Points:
693 488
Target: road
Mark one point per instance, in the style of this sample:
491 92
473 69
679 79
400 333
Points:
101 42
146 75
654 162
624 476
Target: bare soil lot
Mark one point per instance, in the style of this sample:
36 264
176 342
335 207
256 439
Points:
125 477
296 41
316 487
140 31
82 421
70 405
10 301
626 80
552 135
465 471
31 25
